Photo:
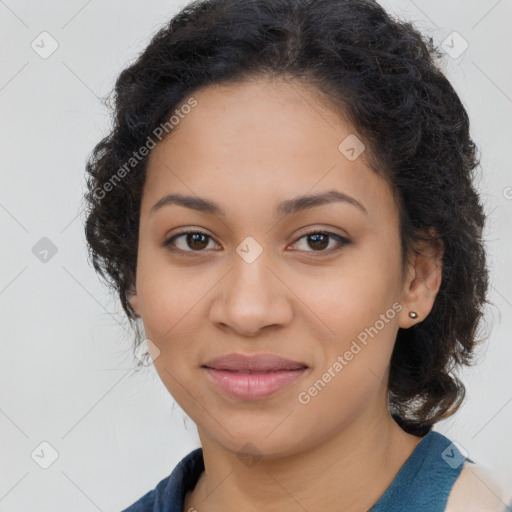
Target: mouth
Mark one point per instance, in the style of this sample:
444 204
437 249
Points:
253 377
253 363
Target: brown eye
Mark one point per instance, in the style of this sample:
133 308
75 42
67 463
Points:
196 241
190 242
193 241
319 241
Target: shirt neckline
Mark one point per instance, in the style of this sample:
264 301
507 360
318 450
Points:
185 476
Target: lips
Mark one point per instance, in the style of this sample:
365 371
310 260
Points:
258 363
253 377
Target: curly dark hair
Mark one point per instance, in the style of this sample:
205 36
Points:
383 75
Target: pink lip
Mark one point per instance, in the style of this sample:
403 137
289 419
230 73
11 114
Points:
251 386
253 377
255 363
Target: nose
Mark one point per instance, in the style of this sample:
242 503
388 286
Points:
251 298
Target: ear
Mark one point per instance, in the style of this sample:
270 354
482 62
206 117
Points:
423 279
133 299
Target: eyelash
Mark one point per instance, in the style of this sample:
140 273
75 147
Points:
342 241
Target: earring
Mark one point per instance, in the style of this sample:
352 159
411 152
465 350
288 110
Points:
413 314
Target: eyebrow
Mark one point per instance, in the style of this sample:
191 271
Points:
285 208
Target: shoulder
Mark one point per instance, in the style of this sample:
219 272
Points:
169 493
475 491
147 502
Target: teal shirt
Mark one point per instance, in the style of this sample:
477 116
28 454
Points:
422 484
425 480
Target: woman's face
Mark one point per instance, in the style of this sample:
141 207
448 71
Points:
257 283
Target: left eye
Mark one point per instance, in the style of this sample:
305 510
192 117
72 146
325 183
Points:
197 241
320 241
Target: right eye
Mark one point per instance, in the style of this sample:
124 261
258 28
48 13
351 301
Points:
193 241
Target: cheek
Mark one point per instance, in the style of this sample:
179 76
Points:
337 398
352 374
347 301
171 320
360 309
166 294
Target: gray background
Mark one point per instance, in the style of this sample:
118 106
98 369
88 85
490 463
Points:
66 368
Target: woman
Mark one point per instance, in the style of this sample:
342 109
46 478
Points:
286 202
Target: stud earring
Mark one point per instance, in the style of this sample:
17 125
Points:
413 314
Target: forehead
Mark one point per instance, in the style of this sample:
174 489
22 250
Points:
261 142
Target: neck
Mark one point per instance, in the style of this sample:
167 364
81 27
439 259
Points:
348 471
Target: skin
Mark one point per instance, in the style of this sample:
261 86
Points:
248 147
